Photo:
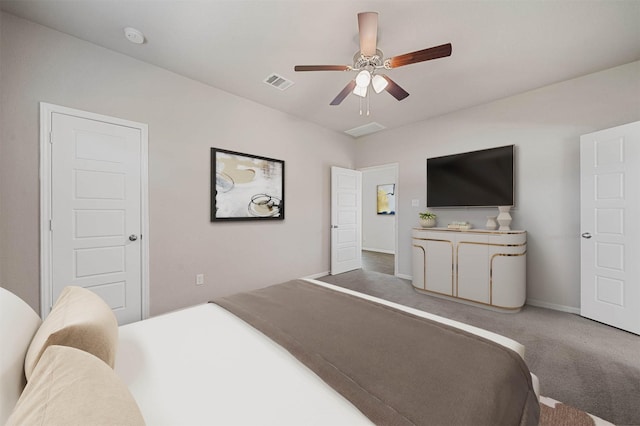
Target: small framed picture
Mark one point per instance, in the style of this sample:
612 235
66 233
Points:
246 187
386 198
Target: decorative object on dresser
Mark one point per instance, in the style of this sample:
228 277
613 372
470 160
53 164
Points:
504 218
491 223
483 268
463 226
427 219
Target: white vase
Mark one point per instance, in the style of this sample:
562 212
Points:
491 223
427 223
504 218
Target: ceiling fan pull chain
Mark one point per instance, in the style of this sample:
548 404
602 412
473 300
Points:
360 106
368 112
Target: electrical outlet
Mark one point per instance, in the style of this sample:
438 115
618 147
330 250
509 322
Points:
199 279
415 203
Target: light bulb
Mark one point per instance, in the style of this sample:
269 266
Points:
379 83
363 78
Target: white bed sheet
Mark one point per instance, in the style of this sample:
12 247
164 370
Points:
203 365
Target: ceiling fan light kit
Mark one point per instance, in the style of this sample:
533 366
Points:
379 83
370 59
360 91
363 78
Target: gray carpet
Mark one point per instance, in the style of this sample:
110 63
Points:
580 362
378 262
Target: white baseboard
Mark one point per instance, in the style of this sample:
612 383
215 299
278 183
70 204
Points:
379 250
404 276
318 275
554 306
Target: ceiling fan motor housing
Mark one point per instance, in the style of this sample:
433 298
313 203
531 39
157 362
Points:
362 62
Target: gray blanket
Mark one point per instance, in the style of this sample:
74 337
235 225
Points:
396 368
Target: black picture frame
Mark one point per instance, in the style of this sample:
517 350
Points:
246 187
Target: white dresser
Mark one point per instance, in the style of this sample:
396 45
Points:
484 268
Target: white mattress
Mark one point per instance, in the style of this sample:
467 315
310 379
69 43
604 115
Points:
203 365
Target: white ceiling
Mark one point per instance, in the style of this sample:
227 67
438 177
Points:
500 48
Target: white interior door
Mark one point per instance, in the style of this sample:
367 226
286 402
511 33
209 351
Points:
346 218
96 211
610 243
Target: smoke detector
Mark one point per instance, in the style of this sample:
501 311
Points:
133 35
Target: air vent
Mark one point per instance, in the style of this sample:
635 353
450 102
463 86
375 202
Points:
367 129
278 81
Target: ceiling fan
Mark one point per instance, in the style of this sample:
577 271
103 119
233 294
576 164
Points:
369 60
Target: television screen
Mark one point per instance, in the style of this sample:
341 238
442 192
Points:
472 179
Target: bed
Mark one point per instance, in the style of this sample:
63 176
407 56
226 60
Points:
205 365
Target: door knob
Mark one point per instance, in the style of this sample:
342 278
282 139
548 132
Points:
133 237
586 235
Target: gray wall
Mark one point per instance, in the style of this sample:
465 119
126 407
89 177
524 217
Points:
545 125
185 119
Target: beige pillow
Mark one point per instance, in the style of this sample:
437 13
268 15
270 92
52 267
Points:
72 387
80 319
18 325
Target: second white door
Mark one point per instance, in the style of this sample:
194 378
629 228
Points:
346 214
610 243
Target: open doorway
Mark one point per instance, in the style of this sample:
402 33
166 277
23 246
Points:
379 218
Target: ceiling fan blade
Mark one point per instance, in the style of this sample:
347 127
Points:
394 90
420 56
368 30
321 68
344 93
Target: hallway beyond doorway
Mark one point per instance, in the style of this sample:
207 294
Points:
378 262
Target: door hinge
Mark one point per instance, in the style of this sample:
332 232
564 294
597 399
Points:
50 137
50 225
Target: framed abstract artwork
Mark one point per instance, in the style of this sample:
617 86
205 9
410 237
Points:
246 187
386 199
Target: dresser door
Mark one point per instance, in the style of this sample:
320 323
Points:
439 276
472 257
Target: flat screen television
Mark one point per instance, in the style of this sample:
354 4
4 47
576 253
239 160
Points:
482 178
